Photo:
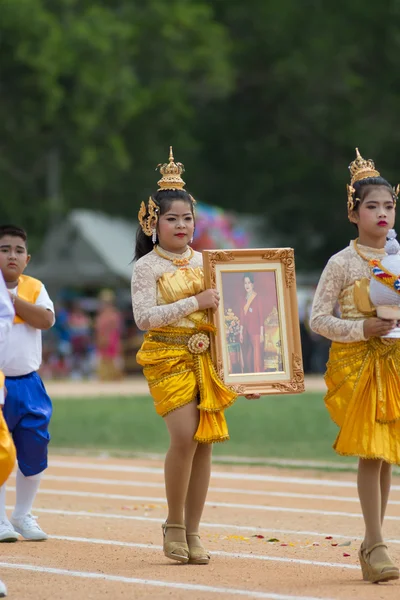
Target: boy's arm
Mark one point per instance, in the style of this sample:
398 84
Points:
39 315
322 320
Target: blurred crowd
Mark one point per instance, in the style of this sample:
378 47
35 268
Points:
93 337
315 348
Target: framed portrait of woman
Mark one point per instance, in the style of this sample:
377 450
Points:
257 348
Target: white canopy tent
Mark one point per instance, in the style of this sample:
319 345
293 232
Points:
87 249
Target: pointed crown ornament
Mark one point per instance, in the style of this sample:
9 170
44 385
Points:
171 174
359 169
171 180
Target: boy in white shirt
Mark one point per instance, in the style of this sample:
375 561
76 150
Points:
27 408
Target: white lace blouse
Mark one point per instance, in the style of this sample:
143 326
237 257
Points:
336 286
149 308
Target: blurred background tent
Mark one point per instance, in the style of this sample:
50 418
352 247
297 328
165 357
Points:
90 249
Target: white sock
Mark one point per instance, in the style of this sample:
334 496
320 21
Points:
3 514
27 488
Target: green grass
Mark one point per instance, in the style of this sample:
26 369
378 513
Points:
293 427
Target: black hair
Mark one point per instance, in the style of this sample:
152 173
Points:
163 199
361 188
14 231
250 276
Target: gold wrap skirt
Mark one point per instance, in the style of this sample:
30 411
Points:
7 451
363 398
177 365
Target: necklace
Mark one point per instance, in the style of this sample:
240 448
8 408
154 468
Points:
356 248
178 262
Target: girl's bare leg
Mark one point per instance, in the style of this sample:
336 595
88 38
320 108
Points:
369 491
182 424
198 488
386 481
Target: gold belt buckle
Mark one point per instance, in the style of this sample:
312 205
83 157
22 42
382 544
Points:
198 343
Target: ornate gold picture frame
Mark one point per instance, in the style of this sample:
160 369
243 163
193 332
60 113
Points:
257 348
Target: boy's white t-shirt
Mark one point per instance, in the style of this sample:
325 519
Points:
22 352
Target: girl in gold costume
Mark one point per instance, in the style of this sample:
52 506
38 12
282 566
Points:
171 303
362 376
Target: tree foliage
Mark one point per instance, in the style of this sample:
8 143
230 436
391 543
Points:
103 87
264 102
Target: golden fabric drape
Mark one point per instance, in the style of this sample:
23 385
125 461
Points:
7 451
183 283
363 398
177 377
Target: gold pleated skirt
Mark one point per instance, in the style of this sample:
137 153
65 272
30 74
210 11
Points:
7 451
176 377
363 398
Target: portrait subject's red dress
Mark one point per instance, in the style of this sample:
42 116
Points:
252 319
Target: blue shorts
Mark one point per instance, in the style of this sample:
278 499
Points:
27 411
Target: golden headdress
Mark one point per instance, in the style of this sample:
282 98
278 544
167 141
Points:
171 180
171 174
362 168
148 223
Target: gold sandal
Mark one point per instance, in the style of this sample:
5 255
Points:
197 554
175 550
376 572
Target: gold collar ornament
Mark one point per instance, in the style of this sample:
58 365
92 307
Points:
178 262
356 248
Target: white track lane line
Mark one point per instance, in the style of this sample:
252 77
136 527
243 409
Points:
152 582
235 491
246 555
221 526
214 475
162 501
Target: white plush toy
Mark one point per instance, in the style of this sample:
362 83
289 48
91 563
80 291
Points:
385 283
